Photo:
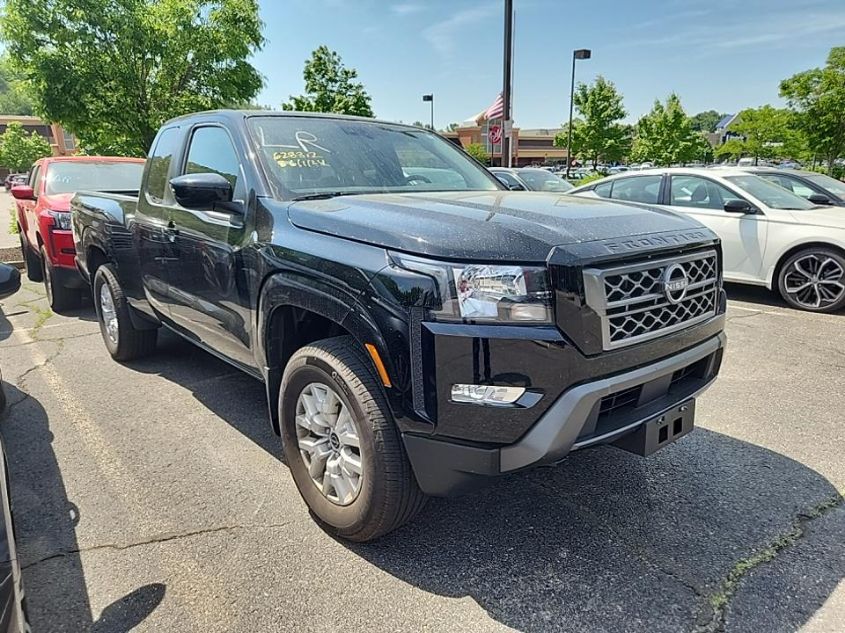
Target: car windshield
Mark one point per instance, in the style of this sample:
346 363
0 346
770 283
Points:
311 156
770 194
541 180
71 176
826 182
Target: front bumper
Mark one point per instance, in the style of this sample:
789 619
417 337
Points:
595 412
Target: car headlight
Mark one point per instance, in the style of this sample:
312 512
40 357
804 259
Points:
61 220
487 292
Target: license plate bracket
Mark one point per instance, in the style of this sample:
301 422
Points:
659 431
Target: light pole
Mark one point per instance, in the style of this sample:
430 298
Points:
581 53
506 85
430 99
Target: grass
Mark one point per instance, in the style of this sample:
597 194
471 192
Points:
13 224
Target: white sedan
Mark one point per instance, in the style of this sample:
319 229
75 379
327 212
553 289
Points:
770 236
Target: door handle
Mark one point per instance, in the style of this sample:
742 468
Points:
171 231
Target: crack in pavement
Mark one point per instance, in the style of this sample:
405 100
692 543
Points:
163 538
51 340
711 616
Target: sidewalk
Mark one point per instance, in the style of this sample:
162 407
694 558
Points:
7 240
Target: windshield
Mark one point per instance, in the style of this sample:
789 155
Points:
826 182
309 156
69 176
541 180
772 195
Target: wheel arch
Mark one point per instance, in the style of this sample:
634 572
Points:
294 311
774 272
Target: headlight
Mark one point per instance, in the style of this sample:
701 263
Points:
487 292
61 219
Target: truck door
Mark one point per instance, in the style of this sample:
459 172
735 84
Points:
209 283
155 242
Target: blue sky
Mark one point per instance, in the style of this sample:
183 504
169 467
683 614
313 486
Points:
716 54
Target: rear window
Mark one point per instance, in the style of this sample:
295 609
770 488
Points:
68 176
638 189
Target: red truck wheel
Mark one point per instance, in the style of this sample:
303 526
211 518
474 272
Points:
60 298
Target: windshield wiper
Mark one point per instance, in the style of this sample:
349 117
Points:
325 195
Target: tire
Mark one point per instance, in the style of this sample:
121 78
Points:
128 342
813 279
61 299
388 495
31 262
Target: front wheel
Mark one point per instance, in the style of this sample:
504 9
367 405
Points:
814 279
123 340
341 444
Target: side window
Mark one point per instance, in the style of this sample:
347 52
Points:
508 179
35 178
603 190
637 189
159 164
211 151
697 192
797 187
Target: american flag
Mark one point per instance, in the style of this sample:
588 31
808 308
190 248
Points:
496 110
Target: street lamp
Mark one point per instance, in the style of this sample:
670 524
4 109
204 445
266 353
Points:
430 99
581 53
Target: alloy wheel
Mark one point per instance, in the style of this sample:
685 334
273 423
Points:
108 313
815 280
329 444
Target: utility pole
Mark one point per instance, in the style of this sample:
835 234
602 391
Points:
430 99
506 87
581 53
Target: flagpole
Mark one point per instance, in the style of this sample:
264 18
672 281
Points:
506 80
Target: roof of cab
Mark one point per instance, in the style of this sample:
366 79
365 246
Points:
234 115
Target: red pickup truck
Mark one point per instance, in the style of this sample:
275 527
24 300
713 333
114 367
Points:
43 211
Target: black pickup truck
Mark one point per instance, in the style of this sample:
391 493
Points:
419 328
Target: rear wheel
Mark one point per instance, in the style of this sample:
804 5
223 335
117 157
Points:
123 340
30 260
59 297
342 446
814 279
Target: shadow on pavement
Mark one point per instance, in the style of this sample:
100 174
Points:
762 296
605 541
45 521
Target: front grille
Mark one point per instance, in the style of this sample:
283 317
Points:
635 306
619 401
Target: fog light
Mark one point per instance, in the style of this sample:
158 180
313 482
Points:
486 394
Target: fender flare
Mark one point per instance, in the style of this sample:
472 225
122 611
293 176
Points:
290 289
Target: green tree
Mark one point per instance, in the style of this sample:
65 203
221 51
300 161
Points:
764 131
598 133
14 97
705 121
19 150
112 71
665 136
330 87
818 98
478 152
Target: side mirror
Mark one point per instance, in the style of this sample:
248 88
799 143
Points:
10 280
516 187
23 192
819 198
201 191
735 205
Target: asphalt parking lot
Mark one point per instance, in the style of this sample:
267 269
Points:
152 496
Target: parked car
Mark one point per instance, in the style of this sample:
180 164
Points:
43 212
770 236
14 179
530 179
815 187
415 338
12 606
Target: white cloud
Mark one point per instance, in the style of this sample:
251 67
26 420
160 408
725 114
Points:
406 8
443 35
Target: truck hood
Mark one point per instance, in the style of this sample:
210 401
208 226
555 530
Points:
481 225
57 201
